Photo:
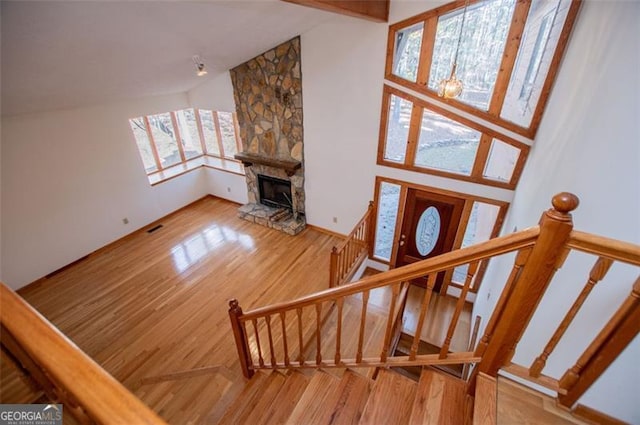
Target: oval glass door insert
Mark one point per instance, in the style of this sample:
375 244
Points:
428 230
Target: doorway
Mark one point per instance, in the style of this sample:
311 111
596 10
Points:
428 228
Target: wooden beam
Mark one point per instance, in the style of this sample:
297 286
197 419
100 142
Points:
371 10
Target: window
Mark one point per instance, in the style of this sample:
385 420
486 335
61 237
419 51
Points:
480 228
481 49
388 203
397 129
445 144
422 137
171 139
541 35
506 81
189 133
407 51
164 138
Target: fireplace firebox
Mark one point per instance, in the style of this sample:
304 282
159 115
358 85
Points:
275 192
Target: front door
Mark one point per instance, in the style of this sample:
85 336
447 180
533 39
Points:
429 225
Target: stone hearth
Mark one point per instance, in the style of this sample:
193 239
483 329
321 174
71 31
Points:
268 95
274 218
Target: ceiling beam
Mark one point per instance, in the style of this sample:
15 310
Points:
372 10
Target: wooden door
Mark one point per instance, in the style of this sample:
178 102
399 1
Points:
428 228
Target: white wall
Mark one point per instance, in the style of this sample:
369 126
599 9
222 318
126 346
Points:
70 177
588 144
216 93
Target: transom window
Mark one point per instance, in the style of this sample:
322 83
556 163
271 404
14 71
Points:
171 139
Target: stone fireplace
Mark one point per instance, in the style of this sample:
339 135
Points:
268 95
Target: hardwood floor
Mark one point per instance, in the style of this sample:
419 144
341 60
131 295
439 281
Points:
520 405
152 308
156 303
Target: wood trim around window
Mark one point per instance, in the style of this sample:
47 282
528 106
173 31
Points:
482 153
512 43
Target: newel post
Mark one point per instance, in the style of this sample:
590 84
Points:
371 231
235 312
545 258
333 268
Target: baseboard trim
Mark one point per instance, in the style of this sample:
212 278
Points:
326 231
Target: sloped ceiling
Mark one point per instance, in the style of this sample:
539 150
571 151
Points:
70 54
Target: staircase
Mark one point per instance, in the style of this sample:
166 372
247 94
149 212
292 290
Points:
293 397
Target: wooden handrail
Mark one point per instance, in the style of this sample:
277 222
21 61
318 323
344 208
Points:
349 254
75 379
488 249
605 247
541 251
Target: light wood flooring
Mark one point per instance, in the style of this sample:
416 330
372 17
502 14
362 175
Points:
524 406
156 303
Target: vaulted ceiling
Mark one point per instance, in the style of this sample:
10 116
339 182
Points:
65 54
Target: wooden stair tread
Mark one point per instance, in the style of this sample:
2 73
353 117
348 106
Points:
255 398
286 400
250 392
390 400
353 393
321 391
485 407
440 399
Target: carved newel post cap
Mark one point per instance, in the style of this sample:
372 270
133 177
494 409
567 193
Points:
233 304
565 202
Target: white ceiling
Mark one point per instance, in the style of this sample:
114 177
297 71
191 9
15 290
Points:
65 54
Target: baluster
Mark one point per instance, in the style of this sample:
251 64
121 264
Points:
300 340
545 258
255 330
472 344
471 272
371 232
598 272
284 338
431 282
341 274
614 337
333 268
267 320
390 319
363 319
318 334
339 302
519 262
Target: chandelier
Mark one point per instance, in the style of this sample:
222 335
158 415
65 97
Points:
451 87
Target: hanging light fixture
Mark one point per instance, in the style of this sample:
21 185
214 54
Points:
452 87
199 66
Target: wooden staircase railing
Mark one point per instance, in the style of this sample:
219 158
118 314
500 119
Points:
539 252
349 254
616 333
53 363
265 337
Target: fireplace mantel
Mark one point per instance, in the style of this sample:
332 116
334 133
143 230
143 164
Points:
288 165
